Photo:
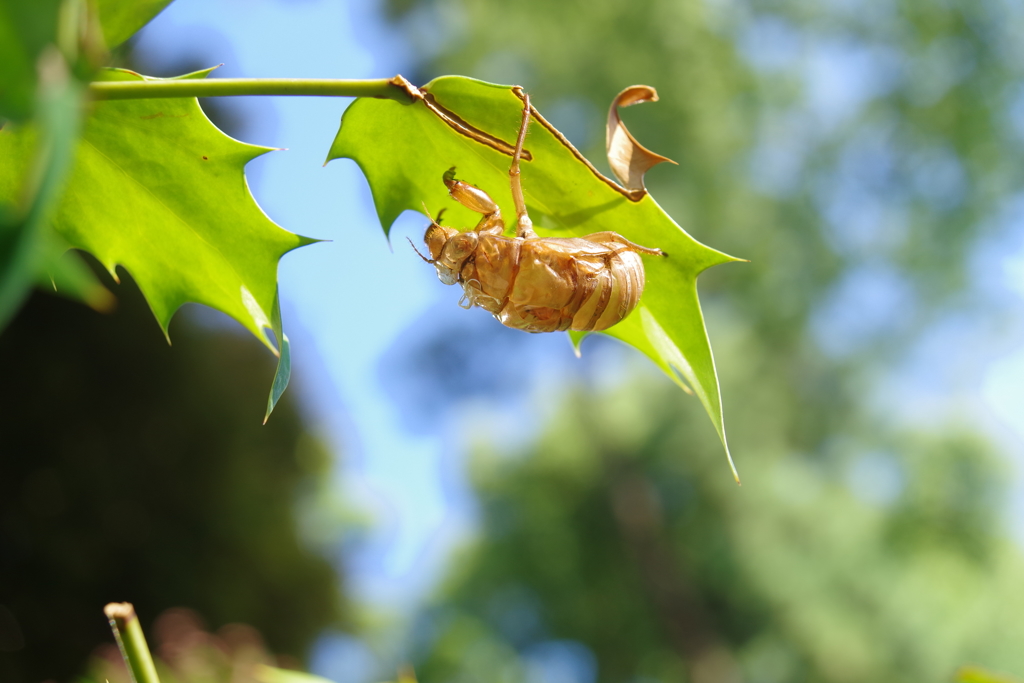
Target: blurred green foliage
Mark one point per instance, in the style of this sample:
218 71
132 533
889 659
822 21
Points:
974 674
609 533
865 157
136 471
49 50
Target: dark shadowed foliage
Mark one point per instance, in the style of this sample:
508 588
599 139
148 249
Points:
133 470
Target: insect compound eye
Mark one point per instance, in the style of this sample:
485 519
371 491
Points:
436 237
459 248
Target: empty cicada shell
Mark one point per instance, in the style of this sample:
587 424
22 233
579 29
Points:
532 283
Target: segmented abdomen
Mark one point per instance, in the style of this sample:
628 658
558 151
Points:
550 284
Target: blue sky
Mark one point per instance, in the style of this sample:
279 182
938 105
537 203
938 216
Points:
347 301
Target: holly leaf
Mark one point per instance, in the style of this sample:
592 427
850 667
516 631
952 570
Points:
405 148
121 19
157 189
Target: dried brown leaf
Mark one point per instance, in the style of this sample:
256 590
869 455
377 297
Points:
628 158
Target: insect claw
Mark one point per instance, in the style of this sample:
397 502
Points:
449 177
430 261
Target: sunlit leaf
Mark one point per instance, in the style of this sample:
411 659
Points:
64 272
121 19
404 149
159 190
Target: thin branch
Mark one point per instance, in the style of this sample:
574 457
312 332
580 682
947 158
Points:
384 88
131 641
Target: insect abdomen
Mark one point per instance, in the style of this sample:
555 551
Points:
618 286
546 285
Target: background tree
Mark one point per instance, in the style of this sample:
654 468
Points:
601 535
864 158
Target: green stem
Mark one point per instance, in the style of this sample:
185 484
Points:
131 641
385 88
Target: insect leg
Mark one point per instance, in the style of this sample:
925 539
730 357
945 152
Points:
475 199
609 236
524 226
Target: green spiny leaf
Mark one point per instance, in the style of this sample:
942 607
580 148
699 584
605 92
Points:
121 19
404 149
157 189
65 272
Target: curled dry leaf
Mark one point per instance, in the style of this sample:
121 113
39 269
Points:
627 157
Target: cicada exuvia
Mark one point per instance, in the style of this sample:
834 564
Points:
533 283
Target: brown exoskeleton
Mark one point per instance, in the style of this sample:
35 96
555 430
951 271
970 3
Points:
532 283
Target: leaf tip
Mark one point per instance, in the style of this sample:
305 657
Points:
728 456
576 339
260 150
306 241
717 258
